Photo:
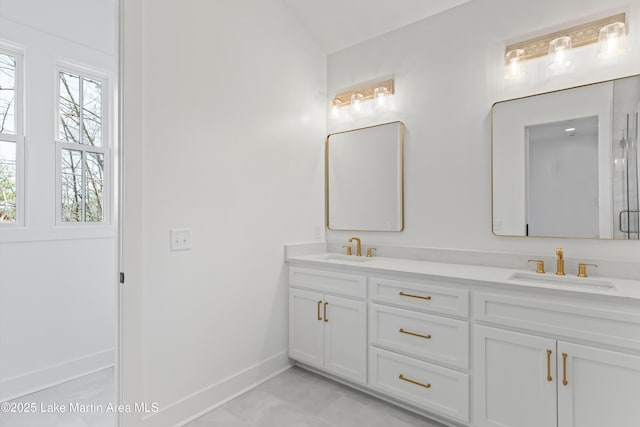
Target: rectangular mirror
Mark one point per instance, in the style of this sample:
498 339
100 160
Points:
565 163
365 178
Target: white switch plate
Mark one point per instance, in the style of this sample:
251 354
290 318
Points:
180 239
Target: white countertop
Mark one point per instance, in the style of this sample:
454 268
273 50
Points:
593 285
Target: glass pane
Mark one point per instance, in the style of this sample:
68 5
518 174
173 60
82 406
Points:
95 169
69 108
7 93
71 186
92 113
7 181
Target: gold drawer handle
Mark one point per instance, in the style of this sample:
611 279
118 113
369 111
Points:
402 294
549 378
403 378
564 369
325 311
426 337
319 304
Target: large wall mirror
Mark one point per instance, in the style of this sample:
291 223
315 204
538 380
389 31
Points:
365 179
565 163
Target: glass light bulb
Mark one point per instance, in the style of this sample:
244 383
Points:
356 103
611 40
380 98
560 53
514 68
334 107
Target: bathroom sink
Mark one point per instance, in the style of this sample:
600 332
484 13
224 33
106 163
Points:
549 279
346 258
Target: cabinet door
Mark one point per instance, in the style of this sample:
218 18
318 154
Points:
345 338
603 387
512 387
305 327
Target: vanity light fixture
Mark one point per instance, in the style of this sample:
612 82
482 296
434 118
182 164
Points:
608 32
378 92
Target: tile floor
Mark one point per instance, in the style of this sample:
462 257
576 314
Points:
298 398
97 388
295 398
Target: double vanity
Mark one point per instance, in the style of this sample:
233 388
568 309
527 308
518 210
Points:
470 345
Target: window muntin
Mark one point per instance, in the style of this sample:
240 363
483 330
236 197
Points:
81 142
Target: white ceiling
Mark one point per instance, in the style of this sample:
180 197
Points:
338 24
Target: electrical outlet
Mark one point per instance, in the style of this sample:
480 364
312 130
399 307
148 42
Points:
317 231
180 239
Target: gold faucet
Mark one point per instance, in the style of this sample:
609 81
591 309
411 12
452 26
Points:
582 269
560 262
539 265
358 245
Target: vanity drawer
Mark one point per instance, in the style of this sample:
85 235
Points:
421 335
328 281
420 296
598 321
419 383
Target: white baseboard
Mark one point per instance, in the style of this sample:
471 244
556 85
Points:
21 385
203 401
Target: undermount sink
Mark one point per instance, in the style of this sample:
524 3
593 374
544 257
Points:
550 279
347 258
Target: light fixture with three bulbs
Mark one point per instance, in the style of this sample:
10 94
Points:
357 100
609 33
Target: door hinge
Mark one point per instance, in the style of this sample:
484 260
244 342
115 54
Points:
121 277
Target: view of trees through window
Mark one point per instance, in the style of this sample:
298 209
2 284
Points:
8 141
80 135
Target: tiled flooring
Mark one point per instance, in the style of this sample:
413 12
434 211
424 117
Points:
297 398
97 388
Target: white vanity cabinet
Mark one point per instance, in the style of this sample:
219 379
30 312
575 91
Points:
470 350
531 380
328 331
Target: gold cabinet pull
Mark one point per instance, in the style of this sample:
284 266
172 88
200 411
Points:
564 369
426 337
325 311
319 303
403 378
549 378
402 294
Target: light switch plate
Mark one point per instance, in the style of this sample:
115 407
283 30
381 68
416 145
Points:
180 239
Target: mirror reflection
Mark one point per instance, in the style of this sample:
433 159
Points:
565 163
364 178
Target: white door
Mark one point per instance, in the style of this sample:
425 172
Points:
306 327
345 338
602 387
516 382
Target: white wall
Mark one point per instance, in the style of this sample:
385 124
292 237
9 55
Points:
227 141
57 284
444 92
